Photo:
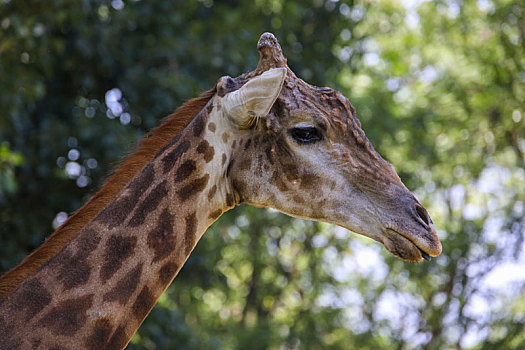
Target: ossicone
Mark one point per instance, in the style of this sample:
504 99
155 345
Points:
271 55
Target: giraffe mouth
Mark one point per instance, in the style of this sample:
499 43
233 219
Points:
409 248
424 255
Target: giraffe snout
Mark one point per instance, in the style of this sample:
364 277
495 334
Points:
410 233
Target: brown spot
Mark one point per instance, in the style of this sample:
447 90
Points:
309 181
88 242
167 272
212 127
73 269
225 137
73 272
212 191
144 302
119 339
224 158
278 181
161 238
68 316
118 249
215 214
245 164
198 125
100 335
185 170
171 158
149 204
205 149
248 143
234 144
193 188
118 210
291 172
125 286
190 234
32 298
298 199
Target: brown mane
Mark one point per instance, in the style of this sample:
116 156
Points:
147 148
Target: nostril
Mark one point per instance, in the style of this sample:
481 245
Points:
422 213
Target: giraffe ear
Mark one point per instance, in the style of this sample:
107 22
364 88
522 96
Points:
255 98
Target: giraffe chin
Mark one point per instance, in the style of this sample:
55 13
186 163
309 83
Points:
403 248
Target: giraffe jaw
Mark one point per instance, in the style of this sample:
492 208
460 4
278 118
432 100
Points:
413 248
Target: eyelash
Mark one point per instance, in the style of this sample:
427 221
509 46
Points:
305 134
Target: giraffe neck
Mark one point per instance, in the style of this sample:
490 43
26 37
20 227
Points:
99 288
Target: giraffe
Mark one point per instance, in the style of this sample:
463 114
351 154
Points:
265 138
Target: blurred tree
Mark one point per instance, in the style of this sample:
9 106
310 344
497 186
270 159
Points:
438 85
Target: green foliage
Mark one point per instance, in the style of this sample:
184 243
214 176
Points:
439 87
8 161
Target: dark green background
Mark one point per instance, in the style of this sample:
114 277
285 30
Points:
439 87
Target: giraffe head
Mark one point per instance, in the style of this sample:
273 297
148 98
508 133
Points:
301 150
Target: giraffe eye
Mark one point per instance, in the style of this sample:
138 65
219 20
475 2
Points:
305 134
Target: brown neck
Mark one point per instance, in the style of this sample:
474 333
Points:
147 148
99 288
